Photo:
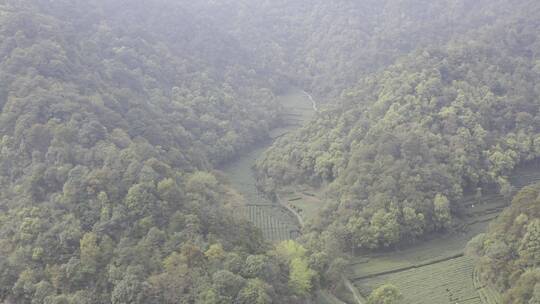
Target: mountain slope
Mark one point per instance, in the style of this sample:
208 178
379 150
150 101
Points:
406 143
108 134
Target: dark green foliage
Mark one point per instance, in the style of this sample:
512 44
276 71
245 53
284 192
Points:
109 132
114 114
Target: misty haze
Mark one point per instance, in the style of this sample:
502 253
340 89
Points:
270 152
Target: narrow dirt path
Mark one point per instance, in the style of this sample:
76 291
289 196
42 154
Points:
313 103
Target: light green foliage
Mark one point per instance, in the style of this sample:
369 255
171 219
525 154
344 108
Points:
168 190
441 211
290 249
89 252
255 292
386 294
215 252
384 228
300 276
414 222
203 186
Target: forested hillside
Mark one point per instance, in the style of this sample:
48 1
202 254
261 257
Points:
326 46
115 113
509 253
108 133
408 142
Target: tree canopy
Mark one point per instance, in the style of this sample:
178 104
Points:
115 114
403 147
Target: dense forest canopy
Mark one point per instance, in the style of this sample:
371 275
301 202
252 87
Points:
407 143
109 133
114 115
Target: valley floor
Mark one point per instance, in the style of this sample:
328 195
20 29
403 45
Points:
276 221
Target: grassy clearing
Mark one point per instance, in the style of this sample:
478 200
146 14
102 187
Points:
307 201
297 109
241 176
297 104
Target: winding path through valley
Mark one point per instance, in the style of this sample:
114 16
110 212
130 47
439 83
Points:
277 220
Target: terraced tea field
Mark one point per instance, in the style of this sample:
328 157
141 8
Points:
447 282
438 247
275 222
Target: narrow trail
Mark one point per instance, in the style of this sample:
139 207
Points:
313 103
352 289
